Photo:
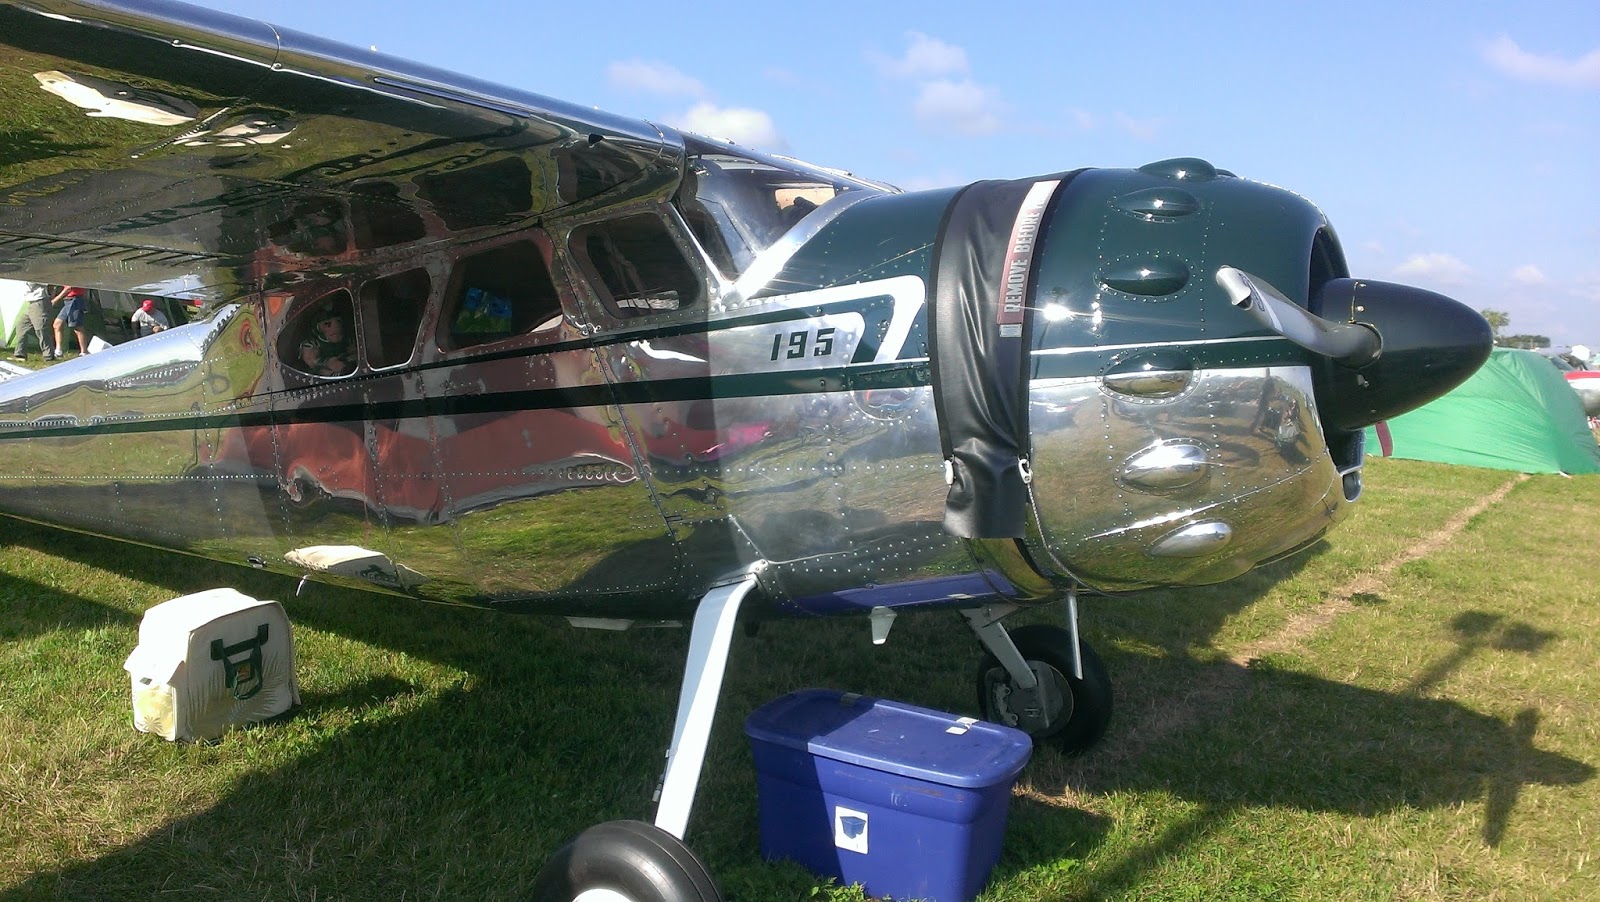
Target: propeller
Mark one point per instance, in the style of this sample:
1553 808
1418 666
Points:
1391 348
1352 344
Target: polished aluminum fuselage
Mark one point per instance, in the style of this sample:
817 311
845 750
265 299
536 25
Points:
632 480
602 465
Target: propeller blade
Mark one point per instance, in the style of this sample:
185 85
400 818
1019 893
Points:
1351 344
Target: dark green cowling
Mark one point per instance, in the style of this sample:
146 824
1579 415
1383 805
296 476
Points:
1121 283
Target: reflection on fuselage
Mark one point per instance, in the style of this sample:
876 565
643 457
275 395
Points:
529 476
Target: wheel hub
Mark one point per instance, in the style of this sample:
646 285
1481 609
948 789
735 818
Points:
602 895
1037 711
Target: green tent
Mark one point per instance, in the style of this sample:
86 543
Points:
13 297
1516 413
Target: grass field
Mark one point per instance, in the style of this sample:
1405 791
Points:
1408 711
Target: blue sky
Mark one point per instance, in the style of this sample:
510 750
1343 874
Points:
1454 145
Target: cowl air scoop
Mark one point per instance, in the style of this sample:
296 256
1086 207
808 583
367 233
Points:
1389 348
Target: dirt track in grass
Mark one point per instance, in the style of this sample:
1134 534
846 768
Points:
1214 694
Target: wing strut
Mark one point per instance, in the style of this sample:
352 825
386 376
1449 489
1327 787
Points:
709 640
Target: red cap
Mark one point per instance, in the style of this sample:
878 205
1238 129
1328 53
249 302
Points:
147 304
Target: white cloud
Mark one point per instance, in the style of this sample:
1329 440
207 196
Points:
650 77
926 57
947 100
1084 119
963 107
1441 269
1510 59
741 125
1528 274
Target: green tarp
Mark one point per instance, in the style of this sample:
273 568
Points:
1515 413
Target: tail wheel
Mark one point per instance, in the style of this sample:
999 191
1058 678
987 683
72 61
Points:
625 861
1069 713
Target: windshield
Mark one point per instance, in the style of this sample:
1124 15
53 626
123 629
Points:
738 202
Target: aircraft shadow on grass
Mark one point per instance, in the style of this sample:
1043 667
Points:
1272 737
463 768
29 608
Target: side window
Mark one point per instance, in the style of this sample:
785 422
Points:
320 338
391 313
713 239
639 265
500 293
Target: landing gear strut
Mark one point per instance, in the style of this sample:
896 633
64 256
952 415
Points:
631 861
1031 679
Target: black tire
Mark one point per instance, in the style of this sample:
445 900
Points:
1086 708
635 860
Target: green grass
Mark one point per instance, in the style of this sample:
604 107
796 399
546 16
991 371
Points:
1437 739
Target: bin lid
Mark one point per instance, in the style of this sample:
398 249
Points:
893 737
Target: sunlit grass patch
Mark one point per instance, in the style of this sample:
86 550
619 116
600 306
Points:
1436 738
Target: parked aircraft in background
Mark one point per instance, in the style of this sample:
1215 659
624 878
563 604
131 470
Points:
1585 380
1587 384
469 344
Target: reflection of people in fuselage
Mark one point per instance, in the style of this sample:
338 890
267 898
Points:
73 302
36 318
147 320
326 350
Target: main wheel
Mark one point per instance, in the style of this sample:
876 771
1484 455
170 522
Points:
625 861
1069 713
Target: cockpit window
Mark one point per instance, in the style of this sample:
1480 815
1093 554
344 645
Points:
738 203
640 266
320 340
500 293
391 313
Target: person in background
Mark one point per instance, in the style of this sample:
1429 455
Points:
147 320
35 318
73 306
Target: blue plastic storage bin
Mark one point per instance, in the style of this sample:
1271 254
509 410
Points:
909 802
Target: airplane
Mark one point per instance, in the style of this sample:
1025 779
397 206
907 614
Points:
463 343
1584 380
1587 384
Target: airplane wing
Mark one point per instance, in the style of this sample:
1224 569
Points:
152 145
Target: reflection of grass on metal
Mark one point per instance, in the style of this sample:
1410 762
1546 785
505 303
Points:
45 135
1433 740
553 541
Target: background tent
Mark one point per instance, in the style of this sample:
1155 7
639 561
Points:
1515 413
12 297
